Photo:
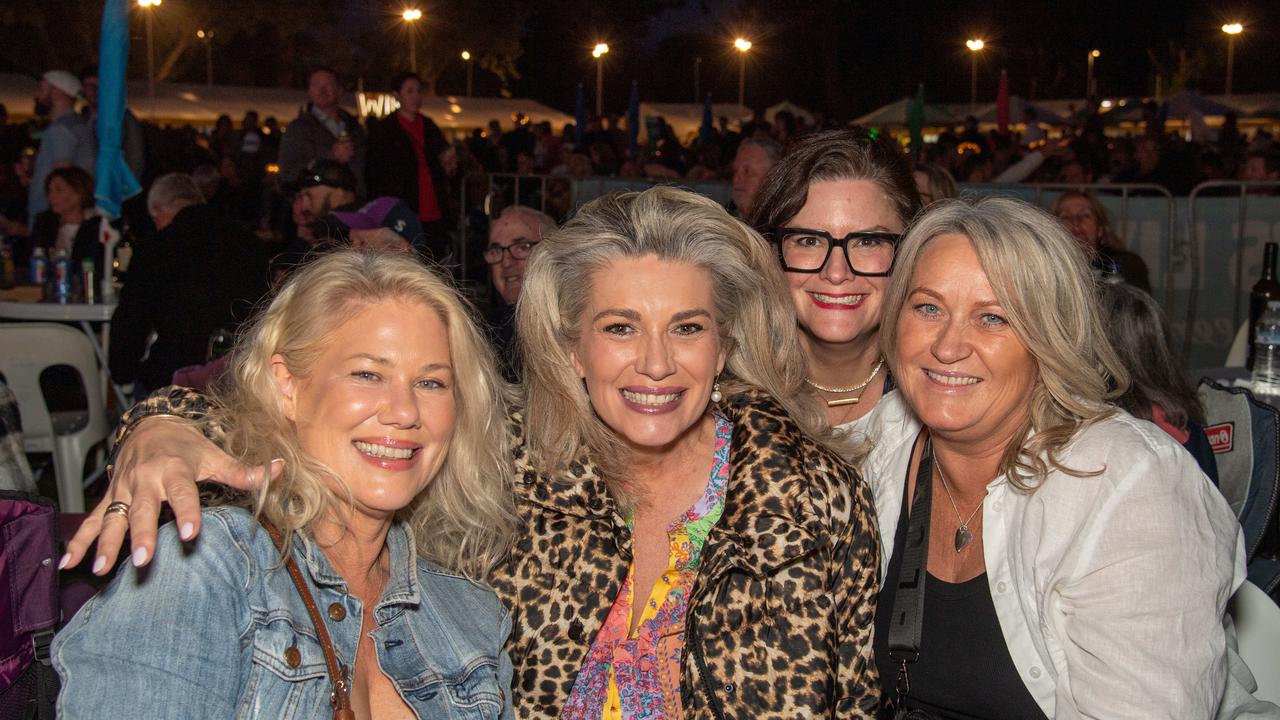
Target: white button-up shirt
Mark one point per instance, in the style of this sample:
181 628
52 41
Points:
1110 589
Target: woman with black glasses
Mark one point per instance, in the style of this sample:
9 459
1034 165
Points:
835 207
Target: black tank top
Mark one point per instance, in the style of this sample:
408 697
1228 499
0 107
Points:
964 671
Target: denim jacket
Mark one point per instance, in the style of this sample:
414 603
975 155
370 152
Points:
215 628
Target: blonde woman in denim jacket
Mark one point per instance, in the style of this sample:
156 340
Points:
390 492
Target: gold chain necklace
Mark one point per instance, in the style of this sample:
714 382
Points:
855 388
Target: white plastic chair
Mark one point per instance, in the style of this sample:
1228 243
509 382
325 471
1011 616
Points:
1257 621
26 350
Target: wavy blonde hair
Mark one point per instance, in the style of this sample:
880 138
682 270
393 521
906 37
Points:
1042 280
464 519
753 310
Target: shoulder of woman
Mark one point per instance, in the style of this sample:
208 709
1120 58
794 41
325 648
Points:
1131 457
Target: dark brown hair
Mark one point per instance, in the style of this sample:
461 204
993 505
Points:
852 154
80 181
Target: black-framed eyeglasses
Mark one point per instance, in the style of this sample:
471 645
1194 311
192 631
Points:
804 250
519 251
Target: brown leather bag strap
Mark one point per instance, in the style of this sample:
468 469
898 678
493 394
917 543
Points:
340 697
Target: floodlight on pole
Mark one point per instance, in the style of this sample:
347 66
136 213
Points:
466 58
207 37
151 48
600 50
1089 89
412 15
1232 30
743 45
975 46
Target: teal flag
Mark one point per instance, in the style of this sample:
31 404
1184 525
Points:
114 182
915 120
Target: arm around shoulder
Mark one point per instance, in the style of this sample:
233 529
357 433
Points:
164 641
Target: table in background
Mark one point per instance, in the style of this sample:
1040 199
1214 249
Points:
23 303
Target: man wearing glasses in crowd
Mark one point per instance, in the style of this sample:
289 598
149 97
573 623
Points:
512 236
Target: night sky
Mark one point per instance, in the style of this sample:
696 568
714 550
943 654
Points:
838 56
879 51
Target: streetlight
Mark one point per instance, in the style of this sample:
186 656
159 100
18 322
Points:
412 15
598 53
975 46
1232 30
466 58
1089 90
743 45
151 49
207 37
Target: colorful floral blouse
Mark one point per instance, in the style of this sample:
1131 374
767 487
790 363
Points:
637 676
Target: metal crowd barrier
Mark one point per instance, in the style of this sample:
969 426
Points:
1193 243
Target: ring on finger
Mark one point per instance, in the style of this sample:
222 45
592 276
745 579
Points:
121 508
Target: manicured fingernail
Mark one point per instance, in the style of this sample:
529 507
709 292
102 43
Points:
139 556
66 558
98 564
186 531
277 460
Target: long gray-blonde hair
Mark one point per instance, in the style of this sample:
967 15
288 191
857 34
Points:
1041 279
464 518
753 310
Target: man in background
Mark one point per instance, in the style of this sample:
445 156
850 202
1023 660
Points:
67 141
323 131
200 274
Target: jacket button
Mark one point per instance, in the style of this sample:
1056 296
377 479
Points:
729 688
292 657
337 613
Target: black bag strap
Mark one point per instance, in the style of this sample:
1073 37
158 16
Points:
908 602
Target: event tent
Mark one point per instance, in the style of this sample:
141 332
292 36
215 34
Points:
200 105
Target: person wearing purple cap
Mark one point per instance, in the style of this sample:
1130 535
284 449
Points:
385 223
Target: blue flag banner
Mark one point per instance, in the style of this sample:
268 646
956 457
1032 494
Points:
114 182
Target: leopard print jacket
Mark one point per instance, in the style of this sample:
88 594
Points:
780 616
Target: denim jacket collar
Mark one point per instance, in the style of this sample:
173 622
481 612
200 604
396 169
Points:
402 583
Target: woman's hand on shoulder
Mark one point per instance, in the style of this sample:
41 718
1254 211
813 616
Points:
160 461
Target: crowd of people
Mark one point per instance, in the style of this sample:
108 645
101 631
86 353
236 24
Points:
851 447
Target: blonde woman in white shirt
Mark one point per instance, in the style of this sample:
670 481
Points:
1078 564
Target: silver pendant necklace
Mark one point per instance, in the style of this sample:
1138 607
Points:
963 535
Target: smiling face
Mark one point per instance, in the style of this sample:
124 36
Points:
650 350
377 407
508 275
834 305
959 363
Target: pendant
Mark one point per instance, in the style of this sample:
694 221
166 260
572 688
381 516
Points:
843 402
963 537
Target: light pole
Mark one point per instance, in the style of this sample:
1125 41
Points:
466 58
207 37
147 6
1089 89
743 45
598 53
697 78
1232 30
412 15
975 46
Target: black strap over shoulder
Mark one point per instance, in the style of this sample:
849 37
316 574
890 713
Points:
908 603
